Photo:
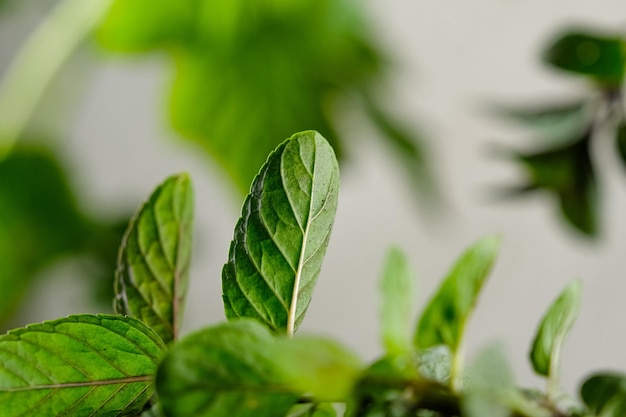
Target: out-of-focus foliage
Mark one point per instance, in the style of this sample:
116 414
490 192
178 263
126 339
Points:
40 222
248 73
564 166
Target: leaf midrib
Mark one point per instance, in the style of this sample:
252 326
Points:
126 380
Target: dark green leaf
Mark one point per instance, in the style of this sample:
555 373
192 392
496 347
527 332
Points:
568 174
398 300
445 316
153 266
620 140
81 365
554 327
589 53
605 395
240 368
280 240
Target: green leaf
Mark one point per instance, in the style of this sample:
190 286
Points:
153 266
620 141
554 123
589 53
445 316
239 368
317 366
566 172
435 363
96 365
491 389
280 240
398 299
546 349
605 395
312 410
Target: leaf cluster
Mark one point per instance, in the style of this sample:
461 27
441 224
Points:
254 364
563 165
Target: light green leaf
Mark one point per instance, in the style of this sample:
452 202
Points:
491 389
280 240
398 299
605 395
554 327
318 367
95 365
445 316
153 266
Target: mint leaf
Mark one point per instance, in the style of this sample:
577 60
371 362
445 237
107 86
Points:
398 299
153 266
589 53
226 370
280 240
97 365
605 395
554 327
445 316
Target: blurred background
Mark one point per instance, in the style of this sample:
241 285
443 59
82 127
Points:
453 120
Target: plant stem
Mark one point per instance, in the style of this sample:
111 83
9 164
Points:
39 60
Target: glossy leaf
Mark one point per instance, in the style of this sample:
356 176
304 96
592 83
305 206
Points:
280 240
153 266
554 327
239 368
591 54
398 300
81 365
605 395
445 316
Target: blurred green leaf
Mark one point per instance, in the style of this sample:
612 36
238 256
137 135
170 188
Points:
398 300
281 238
435 363
240 368
80 365
248 73
312 410
567 173
605 395
153 267
444 318
589 53
620 141
491 389
554 123
39 221
554 327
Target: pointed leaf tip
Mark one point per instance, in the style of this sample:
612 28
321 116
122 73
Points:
281 238
154 258
444 318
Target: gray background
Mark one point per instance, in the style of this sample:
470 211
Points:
453 58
